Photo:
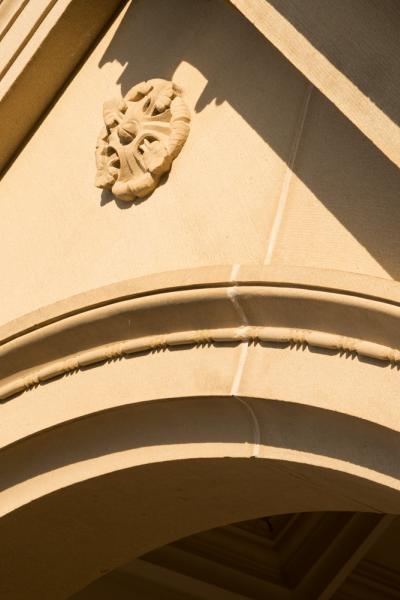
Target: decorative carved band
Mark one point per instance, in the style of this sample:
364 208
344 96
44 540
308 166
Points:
206 310
143 133
294 338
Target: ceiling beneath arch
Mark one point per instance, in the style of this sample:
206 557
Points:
297 556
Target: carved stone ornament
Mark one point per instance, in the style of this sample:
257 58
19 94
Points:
143 133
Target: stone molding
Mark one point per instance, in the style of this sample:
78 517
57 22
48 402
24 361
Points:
33 37
318 58
355 316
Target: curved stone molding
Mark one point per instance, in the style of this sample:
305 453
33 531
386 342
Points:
143 133
172 433
259 306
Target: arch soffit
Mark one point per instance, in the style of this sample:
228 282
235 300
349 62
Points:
121 483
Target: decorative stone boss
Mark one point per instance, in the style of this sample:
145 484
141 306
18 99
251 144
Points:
143 133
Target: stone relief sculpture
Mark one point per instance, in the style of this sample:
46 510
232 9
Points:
143 133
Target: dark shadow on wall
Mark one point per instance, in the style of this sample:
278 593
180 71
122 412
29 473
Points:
342 168
359 37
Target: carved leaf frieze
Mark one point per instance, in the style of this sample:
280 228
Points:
143 134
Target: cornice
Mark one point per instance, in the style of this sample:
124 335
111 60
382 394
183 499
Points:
332 311
47 36
319 48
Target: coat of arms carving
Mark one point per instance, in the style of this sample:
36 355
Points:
143 133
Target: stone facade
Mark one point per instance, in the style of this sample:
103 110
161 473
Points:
213 336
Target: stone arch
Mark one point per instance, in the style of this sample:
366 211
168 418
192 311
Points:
216 396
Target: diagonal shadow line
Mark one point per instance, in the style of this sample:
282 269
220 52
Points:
342 168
